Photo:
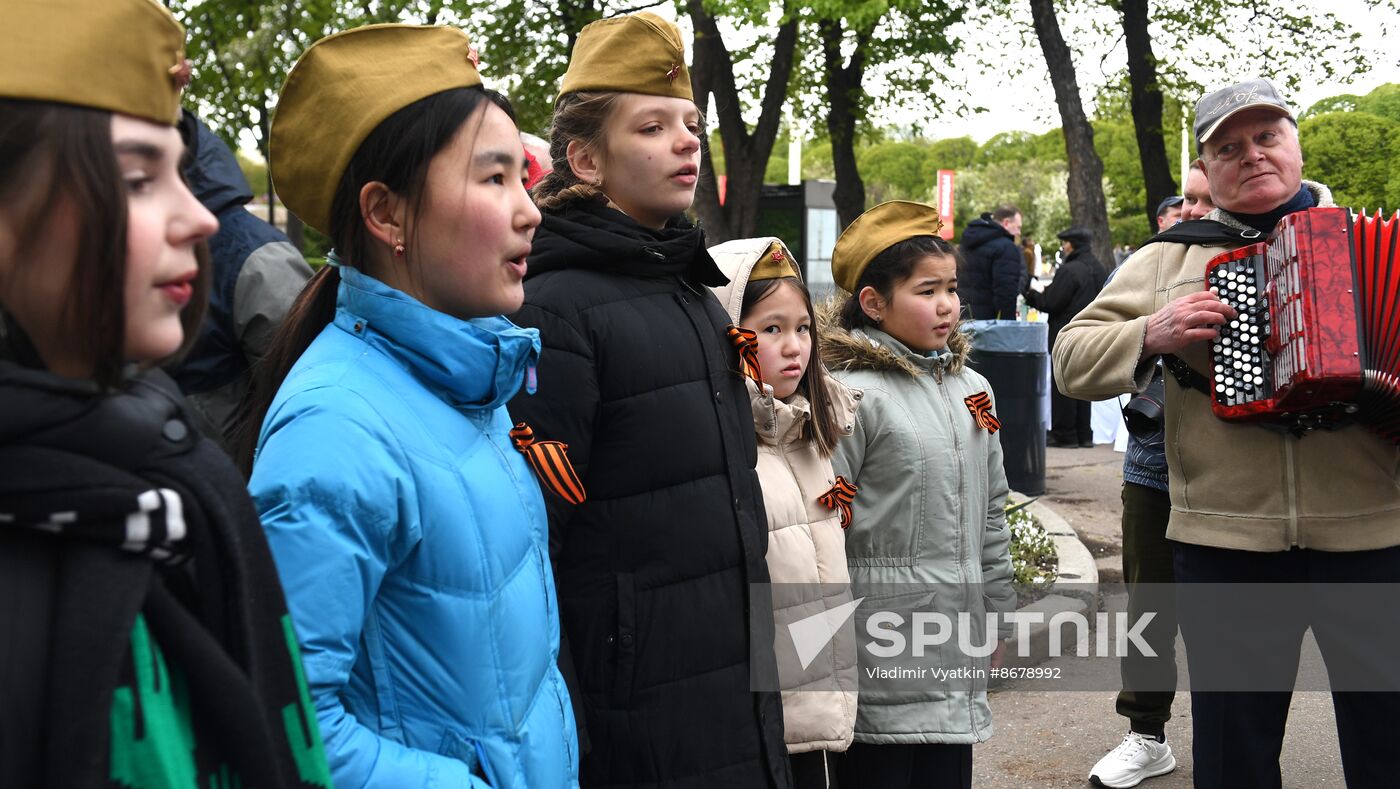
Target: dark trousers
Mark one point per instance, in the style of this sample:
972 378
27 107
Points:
814 770
931 766
1238 735
1070 418
1146 698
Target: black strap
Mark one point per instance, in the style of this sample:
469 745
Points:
1185 374
1207 232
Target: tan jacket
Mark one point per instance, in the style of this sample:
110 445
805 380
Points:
807 563
806 544
1232 485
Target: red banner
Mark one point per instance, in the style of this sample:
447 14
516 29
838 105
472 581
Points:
945 203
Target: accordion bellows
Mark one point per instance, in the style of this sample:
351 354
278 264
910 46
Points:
1317 340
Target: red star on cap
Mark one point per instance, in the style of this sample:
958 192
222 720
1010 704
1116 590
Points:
474 57
674 72
777 255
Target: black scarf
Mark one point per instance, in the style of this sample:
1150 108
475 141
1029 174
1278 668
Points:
143 516
1267 221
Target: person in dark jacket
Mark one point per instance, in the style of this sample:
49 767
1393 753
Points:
257 274
144 639
659 569
994 270
1078 279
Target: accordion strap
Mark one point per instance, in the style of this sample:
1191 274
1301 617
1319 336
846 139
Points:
1185 374
1333 417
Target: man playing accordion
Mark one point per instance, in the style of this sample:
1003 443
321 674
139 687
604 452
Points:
1318 510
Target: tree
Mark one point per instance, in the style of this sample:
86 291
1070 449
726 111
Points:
954 153
1354 154
908 39
895 171
1146 100
526 45
1271 38
243 49
1087 205
746 152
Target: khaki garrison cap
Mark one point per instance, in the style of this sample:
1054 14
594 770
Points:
776 263
641 53
874 232
123 56
341 89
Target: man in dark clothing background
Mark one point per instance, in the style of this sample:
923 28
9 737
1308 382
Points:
1078 279
257 274
994 270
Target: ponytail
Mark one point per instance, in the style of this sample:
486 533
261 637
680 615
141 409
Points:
312 311
581 117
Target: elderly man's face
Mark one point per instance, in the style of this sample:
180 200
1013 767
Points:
1254 162
1197 195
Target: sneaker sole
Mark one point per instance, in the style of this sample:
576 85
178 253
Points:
1162 770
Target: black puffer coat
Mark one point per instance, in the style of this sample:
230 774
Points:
653 570
993 270
1077 281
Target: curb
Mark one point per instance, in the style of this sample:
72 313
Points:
1075 590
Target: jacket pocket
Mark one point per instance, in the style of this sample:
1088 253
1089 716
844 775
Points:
624 641
468 751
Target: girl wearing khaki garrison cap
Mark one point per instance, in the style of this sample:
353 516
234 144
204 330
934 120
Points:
144 641
929 521
641 380
407 524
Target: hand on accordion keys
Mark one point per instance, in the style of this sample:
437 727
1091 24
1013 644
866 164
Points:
1192 318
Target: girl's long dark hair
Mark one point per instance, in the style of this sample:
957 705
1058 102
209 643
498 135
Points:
397 153
52 153
826 423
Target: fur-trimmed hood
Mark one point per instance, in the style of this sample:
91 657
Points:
872 349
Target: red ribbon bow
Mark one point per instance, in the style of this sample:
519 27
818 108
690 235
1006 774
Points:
840 497
980 405
746 340
550 460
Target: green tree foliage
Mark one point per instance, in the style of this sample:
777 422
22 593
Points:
896 171
1353 153
954 153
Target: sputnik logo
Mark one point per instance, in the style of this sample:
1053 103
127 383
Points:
811 635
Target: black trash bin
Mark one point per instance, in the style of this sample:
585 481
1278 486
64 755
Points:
1011 355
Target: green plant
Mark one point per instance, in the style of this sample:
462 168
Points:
1034 562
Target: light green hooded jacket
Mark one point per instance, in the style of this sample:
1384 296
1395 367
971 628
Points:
930 512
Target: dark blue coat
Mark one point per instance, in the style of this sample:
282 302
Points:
257 274
993 270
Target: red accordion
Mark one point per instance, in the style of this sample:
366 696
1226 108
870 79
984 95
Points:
1317 340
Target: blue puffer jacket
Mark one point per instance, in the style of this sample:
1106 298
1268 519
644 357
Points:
410 536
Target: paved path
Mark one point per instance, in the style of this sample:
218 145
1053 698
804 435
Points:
1052 738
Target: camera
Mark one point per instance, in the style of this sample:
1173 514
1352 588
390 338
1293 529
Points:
1143 413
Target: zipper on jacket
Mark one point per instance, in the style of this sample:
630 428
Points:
1291 481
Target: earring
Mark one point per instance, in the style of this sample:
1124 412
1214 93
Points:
398 250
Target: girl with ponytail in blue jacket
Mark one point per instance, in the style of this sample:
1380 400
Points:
408 527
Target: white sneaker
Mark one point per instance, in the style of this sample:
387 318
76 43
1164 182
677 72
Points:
1135 759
